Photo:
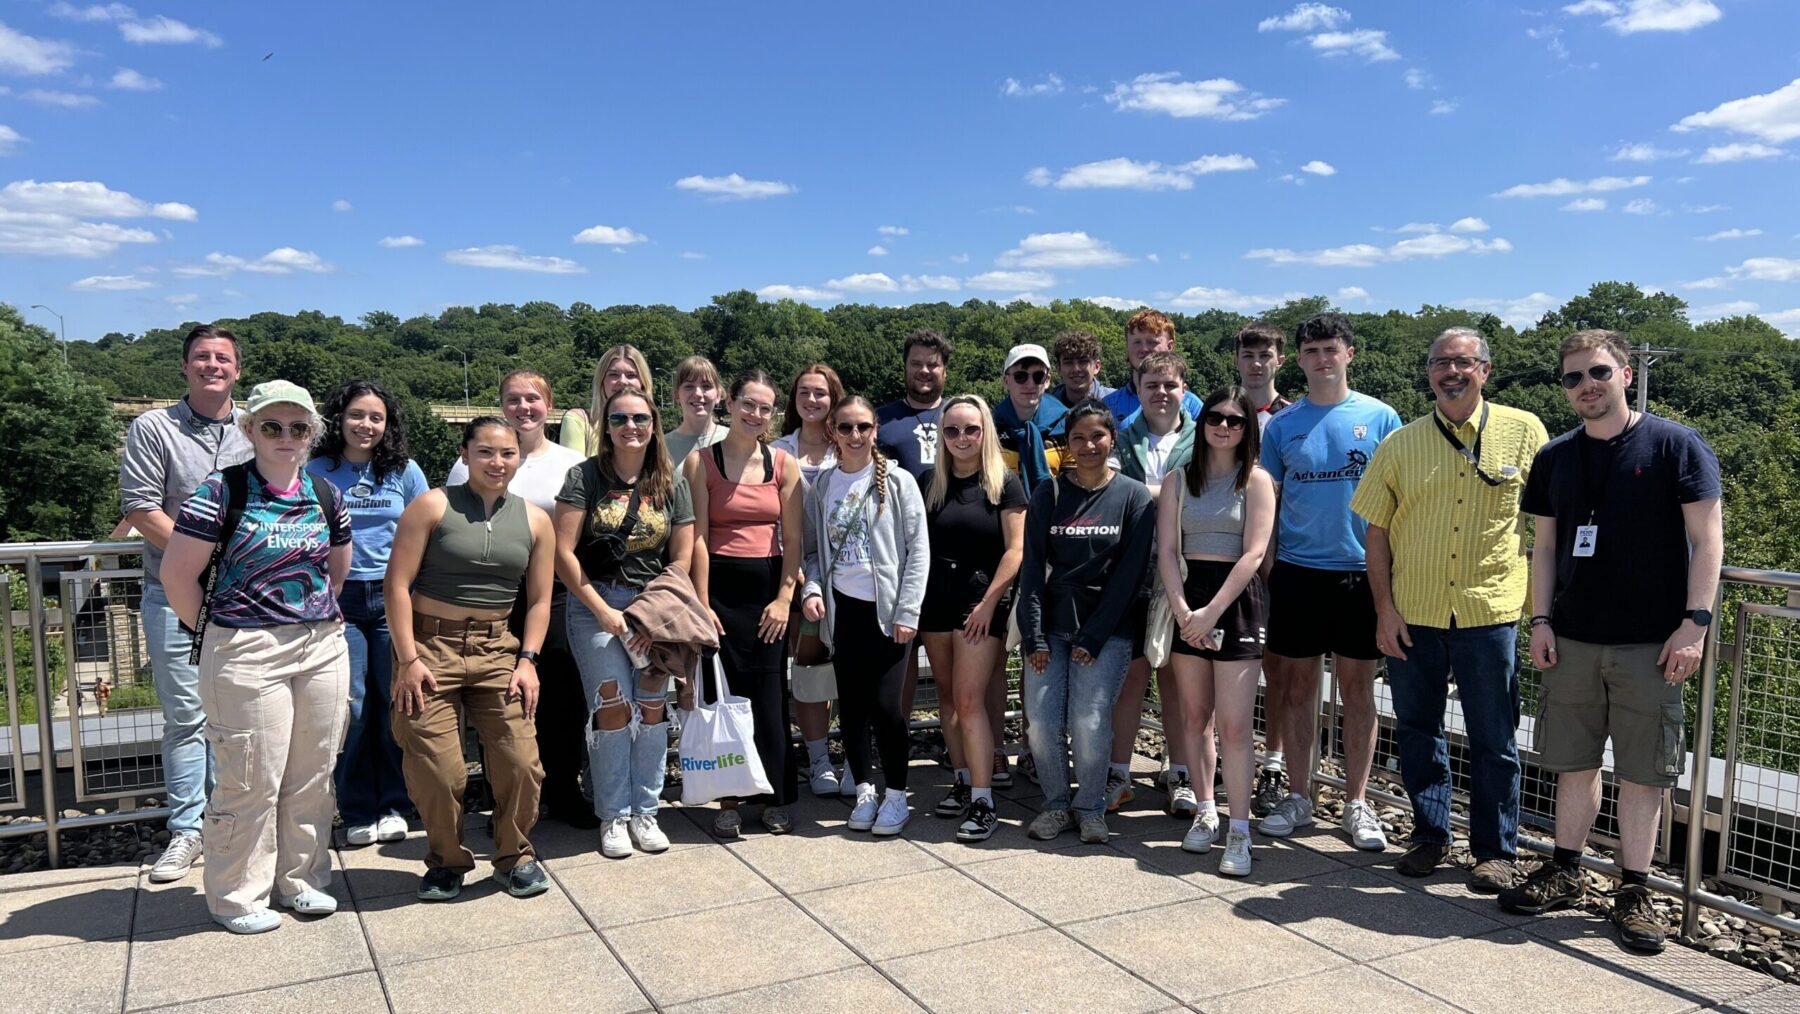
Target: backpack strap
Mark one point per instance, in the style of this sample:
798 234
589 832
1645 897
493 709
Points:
237 493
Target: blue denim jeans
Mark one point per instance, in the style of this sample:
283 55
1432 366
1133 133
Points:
187 759
370 783
1075 701
626 764
1484 663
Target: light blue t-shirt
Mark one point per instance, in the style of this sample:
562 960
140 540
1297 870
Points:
1318 454
374 509
1125 405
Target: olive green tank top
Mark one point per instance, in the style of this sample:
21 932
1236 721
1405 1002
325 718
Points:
473 560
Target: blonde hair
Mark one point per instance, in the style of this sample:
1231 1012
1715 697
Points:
991 470
597 403
538 382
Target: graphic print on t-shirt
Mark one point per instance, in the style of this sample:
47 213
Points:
850 535
651 530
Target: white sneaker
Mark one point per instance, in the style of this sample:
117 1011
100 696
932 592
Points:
177 859
391 828
362 834
894 814
648 836
1236 860
1294 813
1363 826
1203 833
1182 801
260 921
862 817
824 778
615 839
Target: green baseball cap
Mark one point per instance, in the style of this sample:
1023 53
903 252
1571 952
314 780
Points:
278 392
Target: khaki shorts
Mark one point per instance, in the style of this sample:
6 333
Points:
1597 690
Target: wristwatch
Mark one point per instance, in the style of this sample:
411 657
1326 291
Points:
1701 617
530 656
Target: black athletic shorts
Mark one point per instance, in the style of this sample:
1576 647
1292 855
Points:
1318 612
1244 622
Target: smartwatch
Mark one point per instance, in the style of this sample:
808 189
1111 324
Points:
530 656
1701 617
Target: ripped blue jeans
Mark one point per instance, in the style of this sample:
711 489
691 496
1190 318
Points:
626 764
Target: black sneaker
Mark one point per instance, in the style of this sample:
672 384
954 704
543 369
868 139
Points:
1271 789
440 885
1549 887
980 823
1422 858
523 880
1640 928
955 802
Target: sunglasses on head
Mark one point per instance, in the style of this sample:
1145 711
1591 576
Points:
846 428
272 428
618 419
1230 422
1029 376
1572 379
958 432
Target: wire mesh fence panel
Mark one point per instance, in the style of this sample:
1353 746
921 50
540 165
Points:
1763 753
115 718
13 714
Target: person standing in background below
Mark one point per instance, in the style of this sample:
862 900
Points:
364 454
805 436
1147 331
748 527
168 453
543 467
698 393
618 367
1077 367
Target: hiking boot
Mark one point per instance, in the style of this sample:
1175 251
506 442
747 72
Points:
1491 876
1549 887
1640 928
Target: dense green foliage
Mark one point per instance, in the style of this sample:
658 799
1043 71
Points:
60 476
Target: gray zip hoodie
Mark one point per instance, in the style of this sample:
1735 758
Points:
899 551
168 454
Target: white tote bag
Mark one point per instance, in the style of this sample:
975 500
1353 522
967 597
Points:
718 748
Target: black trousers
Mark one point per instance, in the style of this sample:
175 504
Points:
562 709
739 589
872 692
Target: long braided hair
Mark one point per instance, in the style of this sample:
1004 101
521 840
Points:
880 460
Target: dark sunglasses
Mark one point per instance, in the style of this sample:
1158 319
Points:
272 428
845 429
1029 376
957 432
618 419
1572 379
1230 422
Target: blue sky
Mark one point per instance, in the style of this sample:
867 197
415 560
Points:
156 168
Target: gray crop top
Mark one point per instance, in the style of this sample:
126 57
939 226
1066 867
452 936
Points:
1212 524
473 560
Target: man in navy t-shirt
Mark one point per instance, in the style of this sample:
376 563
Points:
908 428
1625 568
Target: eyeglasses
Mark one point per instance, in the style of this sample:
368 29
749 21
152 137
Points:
272 429
958 432
1572 379
1230 422
1029 376
618 419
845 429
1464 363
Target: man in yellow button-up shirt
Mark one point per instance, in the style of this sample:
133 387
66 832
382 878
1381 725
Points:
1448 570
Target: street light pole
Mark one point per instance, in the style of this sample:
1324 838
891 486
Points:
62 329
465 356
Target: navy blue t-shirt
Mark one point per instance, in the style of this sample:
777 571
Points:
1633 590
910 436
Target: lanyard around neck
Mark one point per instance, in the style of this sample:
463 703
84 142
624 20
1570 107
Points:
1473 457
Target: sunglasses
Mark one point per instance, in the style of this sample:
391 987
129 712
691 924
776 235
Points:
272 429
1029 376
1230 422
618 419
1572 379
958 432
845 429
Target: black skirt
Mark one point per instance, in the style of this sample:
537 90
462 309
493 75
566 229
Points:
739 589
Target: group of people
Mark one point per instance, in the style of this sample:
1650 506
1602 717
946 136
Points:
555 594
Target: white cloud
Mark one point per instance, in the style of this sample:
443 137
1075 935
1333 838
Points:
1642 206
1470 224
1787 320
916 283
1014 88
1585 204
1729 234
166 30
1353 294
1126 174
506 257
1368 43
1307 17
733 187
1413 227
1562 187
279 261
1061 250
8 139
869 281
1114 302
1204 297
1646 153
52 234
1704 209
341 205
61 100
1629 16
1736 308
86 199
24 54
1318 168
1522 312
1737 151
608 235
1362 255
961 258
691 255
1442 107
397 242
878 251
1003 281
1416 79
1774 117
893 230
110 283
1213 99
185 298
94 12
1767 269
800 293
126 79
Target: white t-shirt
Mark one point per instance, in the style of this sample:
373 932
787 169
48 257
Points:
848 535
1156 457
539 478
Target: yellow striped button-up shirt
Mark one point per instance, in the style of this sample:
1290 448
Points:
1456 541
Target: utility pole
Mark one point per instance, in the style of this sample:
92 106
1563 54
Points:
1646 356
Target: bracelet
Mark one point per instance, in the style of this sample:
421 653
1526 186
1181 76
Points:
411 660
1540 621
